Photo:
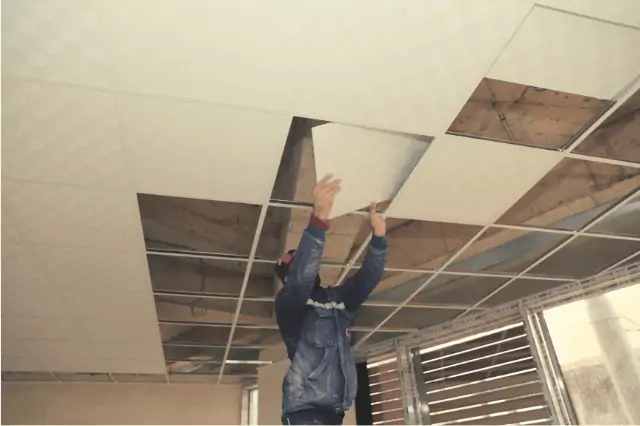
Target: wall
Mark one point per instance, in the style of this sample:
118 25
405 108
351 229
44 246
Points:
270 394
108 403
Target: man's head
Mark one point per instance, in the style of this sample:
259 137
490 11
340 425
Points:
284 264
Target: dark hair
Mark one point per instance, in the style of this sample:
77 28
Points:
283 264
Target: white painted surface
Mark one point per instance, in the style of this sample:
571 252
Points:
373 165
201 151
625 12
472 181
561 51
106 403
392 65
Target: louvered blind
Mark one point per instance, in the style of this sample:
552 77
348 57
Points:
490 379
386 395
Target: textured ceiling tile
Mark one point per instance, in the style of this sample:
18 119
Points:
58 214
101 304
372 165
621 11
18 300
118 330
75 364
60 349
70 269
11 363
574 54
120 350
9 231
199 151
20 268
399 71
471 181
62 40
14 327
139 366
61 134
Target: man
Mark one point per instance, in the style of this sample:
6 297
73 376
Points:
321 382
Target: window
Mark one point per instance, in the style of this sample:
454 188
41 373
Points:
250 406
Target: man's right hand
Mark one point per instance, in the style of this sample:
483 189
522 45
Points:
323 194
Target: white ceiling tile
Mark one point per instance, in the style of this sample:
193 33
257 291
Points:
10 363
121 350
101 304
75 269
199 151
9 230
621 11
13 348
372 164
399 71
473 181
20 269
68 215
75 365
561 51
62 40
118 330
29 301
61 134
39 328
139 366
60 348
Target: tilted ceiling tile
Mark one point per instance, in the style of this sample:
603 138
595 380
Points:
62 40
70 269
471 181
575 54
20 268
31 301
74 216
119 330
199 151
61 134
372 164
9 230
625 12
400 70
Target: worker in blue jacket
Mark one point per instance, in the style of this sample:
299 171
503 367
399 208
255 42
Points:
314 321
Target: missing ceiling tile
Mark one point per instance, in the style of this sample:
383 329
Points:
526 115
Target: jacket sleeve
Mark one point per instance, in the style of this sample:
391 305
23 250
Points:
356 289
304 267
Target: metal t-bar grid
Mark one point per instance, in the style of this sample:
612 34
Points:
554 250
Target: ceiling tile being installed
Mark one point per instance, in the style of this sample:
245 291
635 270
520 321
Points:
337 70
573 193
526 115
61 134
570 53
201 151
470 181
373 165
71 215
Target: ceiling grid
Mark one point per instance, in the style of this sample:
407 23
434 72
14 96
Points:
520 170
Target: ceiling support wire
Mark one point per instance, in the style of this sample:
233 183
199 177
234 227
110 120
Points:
557 248
245 282
427 282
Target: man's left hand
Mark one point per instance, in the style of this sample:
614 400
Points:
377 221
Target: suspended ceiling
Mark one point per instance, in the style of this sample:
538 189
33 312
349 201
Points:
158 158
